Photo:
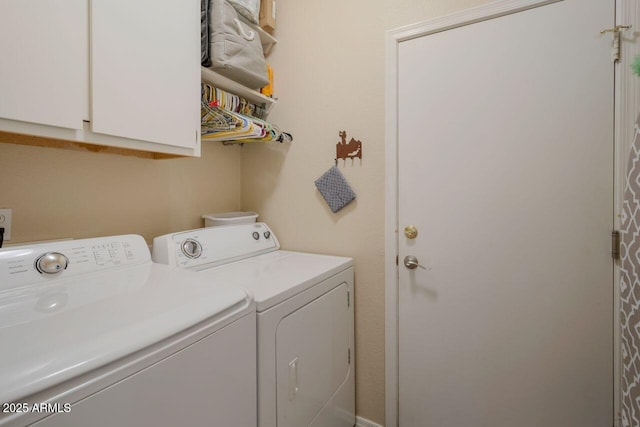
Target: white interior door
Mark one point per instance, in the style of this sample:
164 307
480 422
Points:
505 161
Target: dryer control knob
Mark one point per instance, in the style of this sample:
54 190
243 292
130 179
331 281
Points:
51 263
191 248
256 235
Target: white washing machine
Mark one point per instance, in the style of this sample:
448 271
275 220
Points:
305 318
94 334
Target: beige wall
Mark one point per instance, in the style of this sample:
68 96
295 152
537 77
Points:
330 76
57 193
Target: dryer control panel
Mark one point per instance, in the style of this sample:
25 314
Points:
211 246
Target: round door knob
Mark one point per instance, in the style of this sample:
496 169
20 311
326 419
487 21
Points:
52 263
412 263
410 232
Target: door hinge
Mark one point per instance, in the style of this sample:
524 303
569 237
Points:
397 257
349 356
615 54
615 244
348 299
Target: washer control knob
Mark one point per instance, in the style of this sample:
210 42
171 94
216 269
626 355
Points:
191 248
267 234
256 235
51 263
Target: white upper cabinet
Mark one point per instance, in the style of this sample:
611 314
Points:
117 73
145 70
43 61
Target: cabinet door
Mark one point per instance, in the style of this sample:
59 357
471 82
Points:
145 70
43 65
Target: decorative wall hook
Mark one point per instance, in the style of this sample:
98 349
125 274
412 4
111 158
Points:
348 150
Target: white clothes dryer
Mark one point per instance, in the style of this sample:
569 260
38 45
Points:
94 334
305 318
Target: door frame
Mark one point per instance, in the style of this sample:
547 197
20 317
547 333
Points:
626 106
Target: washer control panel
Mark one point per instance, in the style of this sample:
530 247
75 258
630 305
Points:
29 264
207 247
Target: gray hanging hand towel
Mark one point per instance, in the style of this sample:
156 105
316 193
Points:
335 189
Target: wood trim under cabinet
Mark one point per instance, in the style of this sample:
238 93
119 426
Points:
39 141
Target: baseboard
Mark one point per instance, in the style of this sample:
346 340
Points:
361 422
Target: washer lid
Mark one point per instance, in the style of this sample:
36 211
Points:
55 331
276 276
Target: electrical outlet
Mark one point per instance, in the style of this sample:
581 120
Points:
5 221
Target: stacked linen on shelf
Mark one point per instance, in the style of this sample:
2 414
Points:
227 117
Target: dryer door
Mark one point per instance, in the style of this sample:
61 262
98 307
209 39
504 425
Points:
312 350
